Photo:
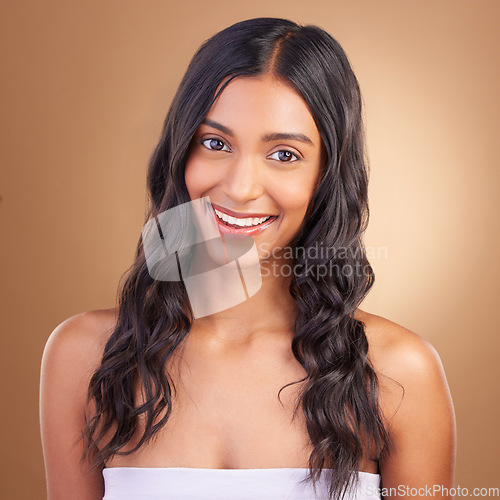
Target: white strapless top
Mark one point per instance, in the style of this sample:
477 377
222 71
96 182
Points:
180 483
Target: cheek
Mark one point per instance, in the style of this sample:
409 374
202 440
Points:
194 179
294 195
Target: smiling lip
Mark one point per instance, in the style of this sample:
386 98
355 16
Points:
240 215
227 228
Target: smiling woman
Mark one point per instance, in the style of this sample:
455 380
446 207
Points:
264 162
293 392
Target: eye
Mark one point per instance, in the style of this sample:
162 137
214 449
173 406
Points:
285 156
215 144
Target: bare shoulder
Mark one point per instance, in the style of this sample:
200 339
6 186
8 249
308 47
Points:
74 350
396 350
407 365
416 404
84 333
94 323
72 353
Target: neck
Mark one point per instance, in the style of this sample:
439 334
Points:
267 316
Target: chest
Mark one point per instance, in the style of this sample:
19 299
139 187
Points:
228 415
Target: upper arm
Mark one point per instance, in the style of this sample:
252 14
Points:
68 360
421 419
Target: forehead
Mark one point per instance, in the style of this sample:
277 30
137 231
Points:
263 102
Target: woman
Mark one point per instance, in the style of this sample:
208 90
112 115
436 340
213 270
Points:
292 389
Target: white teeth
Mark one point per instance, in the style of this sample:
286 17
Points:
248 221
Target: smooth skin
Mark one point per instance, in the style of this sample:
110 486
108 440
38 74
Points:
241 357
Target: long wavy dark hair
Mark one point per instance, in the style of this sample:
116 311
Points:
340 396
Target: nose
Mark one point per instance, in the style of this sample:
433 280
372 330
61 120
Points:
243 180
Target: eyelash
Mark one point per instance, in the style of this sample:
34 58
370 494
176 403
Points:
202 141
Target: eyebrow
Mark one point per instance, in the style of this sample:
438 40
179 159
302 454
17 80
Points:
266 137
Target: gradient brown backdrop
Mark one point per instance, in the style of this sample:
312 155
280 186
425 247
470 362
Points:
85 88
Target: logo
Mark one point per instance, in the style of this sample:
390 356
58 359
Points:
184 244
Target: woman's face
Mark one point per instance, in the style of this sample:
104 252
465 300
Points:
257 156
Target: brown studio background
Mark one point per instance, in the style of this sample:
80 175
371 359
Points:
85 88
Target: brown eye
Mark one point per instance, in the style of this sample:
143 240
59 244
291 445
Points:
285 156
214 144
